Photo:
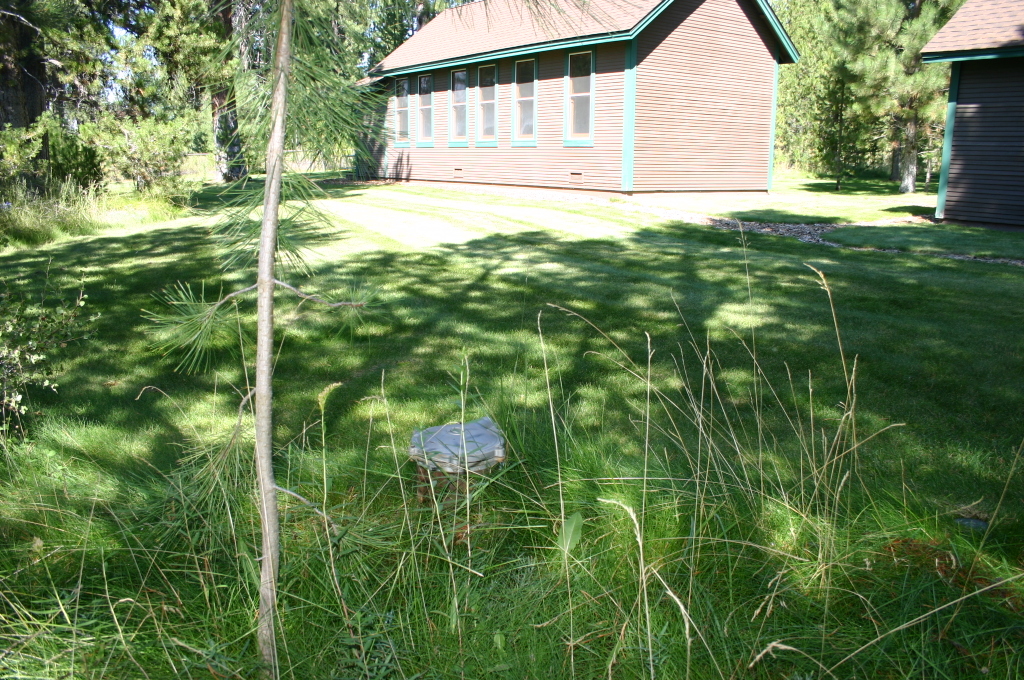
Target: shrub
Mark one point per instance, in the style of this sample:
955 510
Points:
47 156
72 160
32 331
150 152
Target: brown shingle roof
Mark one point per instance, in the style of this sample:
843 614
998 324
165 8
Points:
492 25
981 25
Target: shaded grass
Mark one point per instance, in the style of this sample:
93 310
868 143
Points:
134 495
801 199
932 239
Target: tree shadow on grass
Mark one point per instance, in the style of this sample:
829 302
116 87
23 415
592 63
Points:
923 210
915 328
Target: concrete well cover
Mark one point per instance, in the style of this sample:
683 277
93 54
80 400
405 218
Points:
456 447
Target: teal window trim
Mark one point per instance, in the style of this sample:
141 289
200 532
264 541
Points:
947 140
629 117
487 143
428 143
973 55
453 142
398 142
526 141
568 140
771 135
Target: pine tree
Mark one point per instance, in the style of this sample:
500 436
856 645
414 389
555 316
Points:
884 39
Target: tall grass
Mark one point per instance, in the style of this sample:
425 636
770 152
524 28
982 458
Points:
702 521
30 218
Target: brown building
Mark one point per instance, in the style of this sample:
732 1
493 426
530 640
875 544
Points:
617 95
983 151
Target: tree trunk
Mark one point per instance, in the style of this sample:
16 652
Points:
908 156
269 522
230 159
22 74
840 132
228 145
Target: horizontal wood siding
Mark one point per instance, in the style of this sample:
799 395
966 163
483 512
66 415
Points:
550 163
705 80
986 170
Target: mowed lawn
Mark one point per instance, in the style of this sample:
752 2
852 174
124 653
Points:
466 283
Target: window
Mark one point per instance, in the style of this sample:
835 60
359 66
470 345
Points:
458 124
426 107
579 116
487 124
402 110
525 122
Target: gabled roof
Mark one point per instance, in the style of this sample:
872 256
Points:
490 29
982 29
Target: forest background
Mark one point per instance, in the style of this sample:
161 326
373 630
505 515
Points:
93 93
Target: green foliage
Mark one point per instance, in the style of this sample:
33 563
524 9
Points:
149 151
861 90
18 150
33 330
71 160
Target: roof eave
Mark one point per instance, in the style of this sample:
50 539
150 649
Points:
972 55
790 54
509 52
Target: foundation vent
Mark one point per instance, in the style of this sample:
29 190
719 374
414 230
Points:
457 173
575 178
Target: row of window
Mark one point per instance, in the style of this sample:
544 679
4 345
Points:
578 102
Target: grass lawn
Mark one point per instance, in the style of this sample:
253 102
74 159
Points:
766 512
802 199
934 239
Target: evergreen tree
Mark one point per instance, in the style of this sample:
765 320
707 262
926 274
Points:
883 39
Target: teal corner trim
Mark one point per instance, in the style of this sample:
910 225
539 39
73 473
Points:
629 117
973 55
771 135
947 140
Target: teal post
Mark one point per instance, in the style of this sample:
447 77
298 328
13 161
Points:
629 117
771 137
947 140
